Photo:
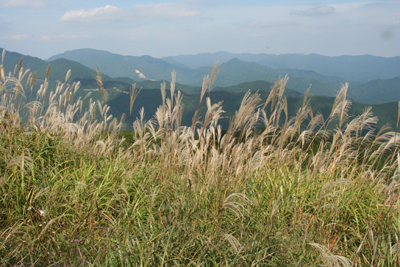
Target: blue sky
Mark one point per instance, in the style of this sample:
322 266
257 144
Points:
160 28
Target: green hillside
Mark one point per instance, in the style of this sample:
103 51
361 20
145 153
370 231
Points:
377 91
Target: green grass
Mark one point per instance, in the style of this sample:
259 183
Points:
293 193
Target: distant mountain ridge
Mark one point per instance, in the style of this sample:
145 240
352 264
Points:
303 71
232 72
352 68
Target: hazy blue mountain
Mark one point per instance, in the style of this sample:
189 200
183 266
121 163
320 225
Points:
351 68
138 68
232 72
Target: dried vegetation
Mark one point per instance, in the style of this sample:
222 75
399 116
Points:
269 191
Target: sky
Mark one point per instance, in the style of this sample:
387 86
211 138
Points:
43 28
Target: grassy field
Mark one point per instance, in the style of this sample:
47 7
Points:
73 192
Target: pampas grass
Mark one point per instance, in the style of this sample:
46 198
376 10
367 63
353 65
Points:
270 191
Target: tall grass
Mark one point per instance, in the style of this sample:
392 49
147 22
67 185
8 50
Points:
270 191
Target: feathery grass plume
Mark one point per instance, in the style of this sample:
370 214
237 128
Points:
205 85
210 82
273 93
17 87
68 74
172 85
247 108
32 80
238 206
163 109
99 81
133 94
213 77
23 162
398 116
76 87
305 98
15 70
20 65
195 118
237 247
341 105
87 95
329 259
3 54
328 186
48 72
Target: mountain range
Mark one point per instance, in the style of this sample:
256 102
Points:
236 77
366 75
352 68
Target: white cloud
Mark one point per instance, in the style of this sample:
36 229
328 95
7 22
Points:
147 11
95 13
63 36
319 10
23 3
17 37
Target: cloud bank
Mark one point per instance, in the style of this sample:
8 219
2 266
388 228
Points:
149 11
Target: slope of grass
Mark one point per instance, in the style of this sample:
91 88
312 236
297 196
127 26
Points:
290 194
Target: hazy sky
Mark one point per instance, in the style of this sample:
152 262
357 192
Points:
44 28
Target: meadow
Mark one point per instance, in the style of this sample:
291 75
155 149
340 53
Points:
270 190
